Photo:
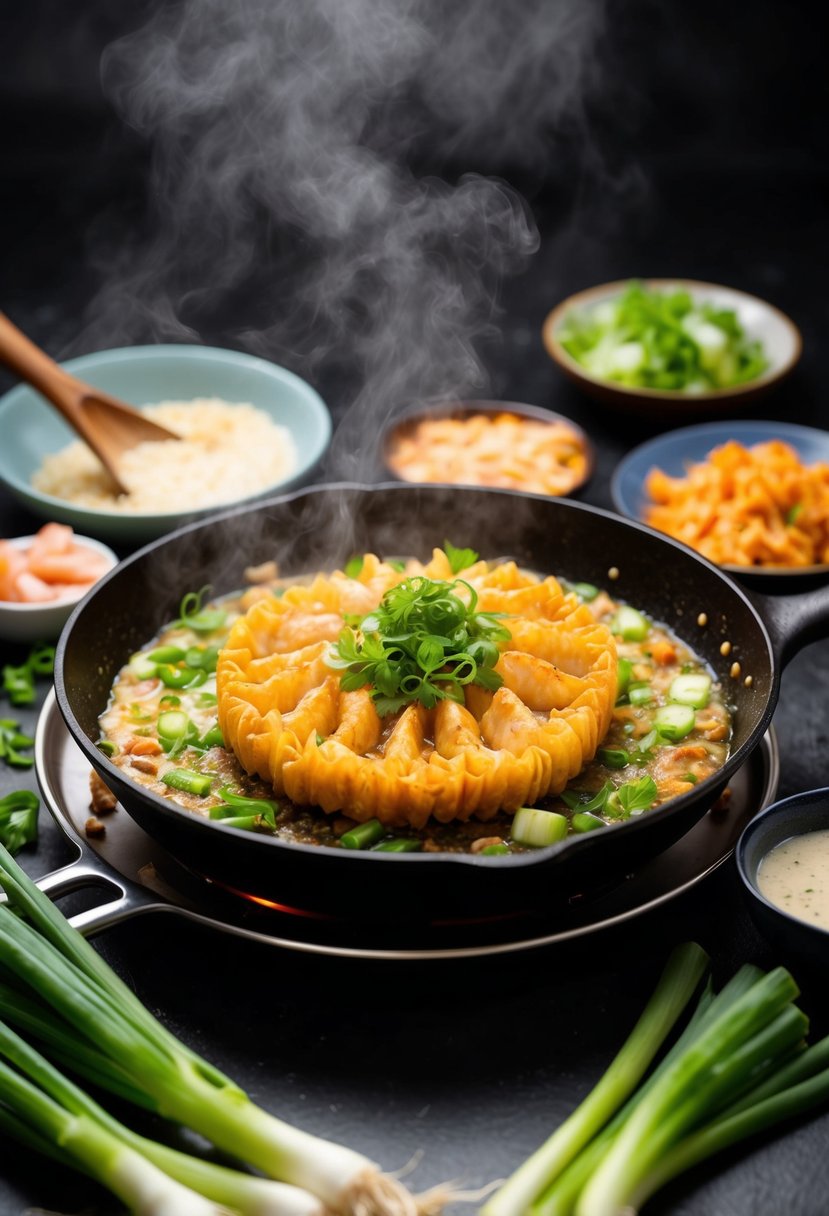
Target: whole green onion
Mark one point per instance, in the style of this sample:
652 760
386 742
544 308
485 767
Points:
47 957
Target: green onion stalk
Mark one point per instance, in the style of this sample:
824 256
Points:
50 959
677 984
559 1199
761 1026
740 1066
794 1090
44 1110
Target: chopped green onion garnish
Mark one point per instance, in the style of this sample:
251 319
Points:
624 671
250 806
583 821
613 757
166 654
632 798
107 747
202 658
423 642
41 660
640 694
13 743
629 624
247 823
142 667
494 850
19 682
192 614
674 722
641 751
180 677
364 835
398 845
691 690
187 781
587 800
176 731
585 591
536 828
213 738
353 567
662 339
18 819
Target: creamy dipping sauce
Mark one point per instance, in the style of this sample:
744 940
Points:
795 877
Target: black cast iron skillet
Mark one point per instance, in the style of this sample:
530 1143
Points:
320 528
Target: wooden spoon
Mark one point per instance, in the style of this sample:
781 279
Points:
109 426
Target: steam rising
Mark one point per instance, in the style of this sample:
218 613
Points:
318 172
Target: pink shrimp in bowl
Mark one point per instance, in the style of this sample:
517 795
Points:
43 576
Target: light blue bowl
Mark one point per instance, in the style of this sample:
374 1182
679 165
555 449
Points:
30 428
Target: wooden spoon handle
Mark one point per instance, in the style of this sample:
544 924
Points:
35 367
64 391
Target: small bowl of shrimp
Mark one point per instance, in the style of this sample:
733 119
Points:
42 578
502 444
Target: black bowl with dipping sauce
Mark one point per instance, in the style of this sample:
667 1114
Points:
779 860
494 444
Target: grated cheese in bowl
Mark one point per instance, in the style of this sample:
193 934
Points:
227 451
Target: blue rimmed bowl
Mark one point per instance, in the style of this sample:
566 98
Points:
674 451
142 375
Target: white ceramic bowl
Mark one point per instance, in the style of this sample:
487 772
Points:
779 335
142 375
43 622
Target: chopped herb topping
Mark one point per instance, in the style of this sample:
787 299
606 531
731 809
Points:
459 559
193 615
18 819
424 642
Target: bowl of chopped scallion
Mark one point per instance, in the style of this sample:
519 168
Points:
676 343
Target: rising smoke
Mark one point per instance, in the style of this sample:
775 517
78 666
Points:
330 173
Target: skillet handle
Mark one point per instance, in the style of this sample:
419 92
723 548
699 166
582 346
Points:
793 621
127 899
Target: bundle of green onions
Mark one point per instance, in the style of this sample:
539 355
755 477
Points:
55 989
741 1066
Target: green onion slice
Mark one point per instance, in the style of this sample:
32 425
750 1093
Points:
537 828
693 690
674 722
630 624
193 615
188 782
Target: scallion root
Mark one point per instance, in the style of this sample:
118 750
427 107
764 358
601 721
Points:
374 1194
